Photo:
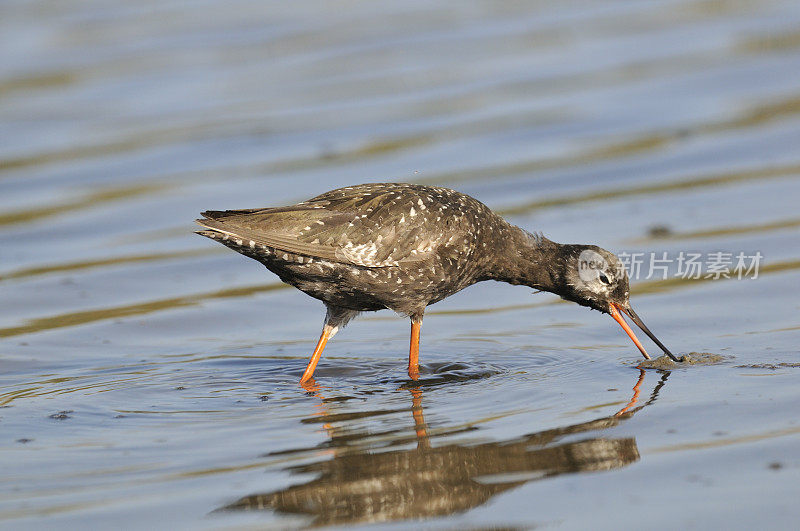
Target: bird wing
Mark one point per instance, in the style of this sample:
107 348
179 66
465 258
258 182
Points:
376 225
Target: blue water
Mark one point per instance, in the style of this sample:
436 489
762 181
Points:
148 377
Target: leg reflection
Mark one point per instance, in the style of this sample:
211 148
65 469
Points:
420 427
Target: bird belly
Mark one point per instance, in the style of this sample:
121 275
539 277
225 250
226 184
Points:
404 290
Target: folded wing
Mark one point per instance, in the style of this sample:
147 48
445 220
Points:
370 225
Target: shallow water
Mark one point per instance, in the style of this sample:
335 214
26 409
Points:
149 376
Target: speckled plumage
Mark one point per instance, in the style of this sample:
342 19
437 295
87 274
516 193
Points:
402 247
370 247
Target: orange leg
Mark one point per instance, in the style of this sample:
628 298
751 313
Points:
312 363
413 351
311 386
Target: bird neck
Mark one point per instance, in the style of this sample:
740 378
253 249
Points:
529 260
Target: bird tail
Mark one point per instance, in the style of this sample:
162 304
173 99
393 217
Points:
218 214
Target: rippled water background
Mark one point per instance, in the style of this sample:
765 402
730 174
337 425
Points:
149 377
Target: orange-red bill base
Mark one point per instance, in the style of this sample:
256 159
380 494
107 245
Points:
614 311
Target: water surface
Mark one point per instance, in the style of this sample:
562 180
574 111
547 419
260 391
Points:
149 376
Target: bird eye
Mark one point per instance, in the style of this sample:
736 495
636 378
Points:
604 279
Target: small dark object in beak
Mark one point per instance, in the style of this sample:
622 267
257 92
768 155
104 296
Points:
636 319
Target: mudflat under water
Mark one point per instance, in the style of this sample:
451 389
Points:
149 376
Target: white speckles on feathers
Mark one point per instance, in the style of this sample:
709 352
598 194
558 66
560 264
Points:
361 254
346 245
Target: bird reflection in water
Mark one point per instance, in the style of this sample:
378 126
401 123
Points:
361 485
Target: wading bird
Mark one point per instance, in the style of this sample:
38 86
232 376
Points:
405 246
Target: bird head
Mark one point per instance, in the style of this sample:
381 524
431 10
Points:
596 278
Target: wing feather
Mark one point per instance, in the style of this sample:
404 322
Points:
373 225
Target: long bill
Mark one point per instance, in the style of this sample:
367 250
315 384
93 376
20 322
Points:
615 309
